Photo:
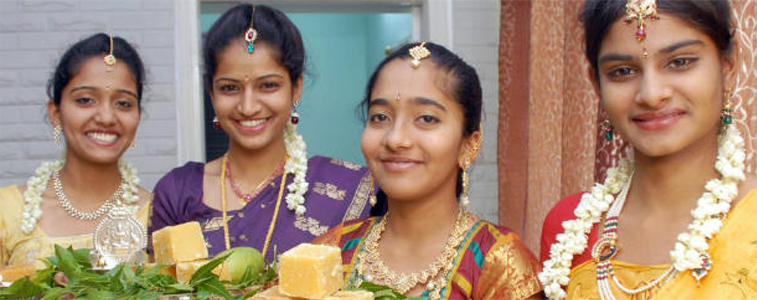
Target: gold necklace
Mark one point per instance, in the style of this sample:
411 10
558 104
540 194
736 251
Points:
224 214
371 266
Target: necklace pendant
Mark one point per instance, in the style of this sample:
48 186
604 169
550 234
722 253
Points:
704 269
119 238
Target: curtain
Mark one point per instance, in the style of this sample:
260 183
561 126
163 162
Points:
550 143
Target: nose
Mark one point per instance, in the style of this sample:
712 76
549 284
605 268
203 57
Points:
653 90
248 105
105 114
399 136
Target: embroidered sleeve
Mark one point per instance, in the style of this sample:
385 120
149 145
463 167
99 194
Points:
509 272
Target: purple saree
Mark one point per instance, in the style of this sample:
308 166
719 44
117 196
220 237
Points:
338 191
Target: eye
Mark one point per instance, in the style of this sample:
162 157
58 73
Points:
84 100
125 104
428 119
268 86
682 62
378 118
228 88
621 72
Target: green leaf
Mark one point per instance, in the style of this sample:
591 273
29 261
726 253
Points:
215 287
207 270
67 262
22 289
54 293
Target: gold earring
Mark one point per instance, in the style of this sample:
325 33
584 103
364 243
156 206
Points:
464 200
726 116
57 134
372 199
609 130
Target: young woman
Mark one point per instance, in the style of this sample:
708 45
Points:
673 220
264 191
95 97
421 136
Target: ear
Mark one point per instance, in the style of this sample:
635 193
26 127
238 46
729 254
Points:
593 78
53 113
297 91
470 148
730 68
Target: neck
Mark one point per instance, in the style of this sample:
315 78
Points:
674 182
252 166
421 220
85 177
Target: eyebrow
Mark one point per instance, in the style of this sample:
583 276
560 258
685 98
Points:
666 50
89 88
258 78
416 100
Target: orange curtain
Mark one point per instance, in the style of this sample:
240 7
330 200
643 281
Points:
550 144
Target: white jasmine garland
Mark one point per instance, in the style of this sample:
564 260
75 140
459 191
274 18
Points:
712 206
297 164
37 184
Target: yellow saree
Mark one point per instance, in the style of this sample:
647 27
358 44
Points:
733 274
18 249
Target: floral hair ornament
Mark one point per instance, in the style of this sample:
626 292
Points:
640 10
251 35
419 52
109 59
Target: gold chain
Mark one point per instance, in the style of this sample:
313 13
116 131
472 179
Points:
371 266
224 213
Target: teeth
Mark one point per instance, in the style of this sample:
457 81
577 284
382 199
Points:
101 136
252 123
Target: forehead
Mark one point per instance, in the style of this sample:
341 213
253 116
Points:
93 72
235 60
427 81
667 30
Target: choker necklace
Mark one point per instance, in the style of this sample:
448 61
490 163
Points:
246 198
80 215
371 267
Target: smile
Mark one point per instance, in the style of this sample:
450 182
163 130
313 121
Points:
102 137
658 120
399 164
252 123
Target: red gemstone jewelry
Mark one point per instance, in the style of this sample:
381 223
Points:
254 193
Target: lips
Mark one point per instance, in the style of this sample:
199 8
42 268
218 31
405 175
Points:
252 125
658 120
398 164
102 137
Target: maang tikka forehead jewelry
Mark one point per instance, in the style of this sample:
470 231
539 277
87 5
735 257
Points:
251 35
109 59
418 52
639 11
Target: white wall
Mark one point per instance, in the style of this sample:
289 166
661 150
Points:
33 36
475 37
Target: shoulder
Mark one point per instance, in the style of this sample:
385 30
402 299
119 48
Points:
179 175
12 200
10 192
491 237
561 212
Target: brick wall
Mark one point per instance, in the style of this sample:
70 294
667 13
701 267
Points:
475 26
33 36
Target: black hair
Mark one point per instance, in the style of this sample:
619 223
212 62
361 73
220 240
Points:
96 45
274 29
462 84
712 17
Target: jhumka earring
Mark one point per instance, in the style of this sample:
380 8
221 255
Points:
251 35
57 134
418 52
609 130
216 123
464 200
639 10
110 60
727 114
372 199
295 116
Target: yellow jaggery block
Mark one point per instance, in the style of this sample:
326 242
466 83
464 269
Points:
272 293
185 270
180 243
351 295
310 271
